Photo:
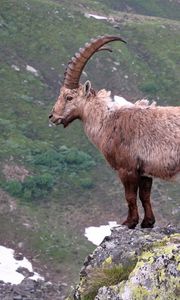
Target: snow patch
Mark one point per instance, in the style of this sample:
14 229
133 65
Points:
32 70
97 234
114 69
97 17
16 68
9 266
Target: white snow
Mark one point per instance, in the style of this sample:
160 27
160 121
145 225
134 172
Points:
32 70
97 17
9 266
114 69
16 68
97 234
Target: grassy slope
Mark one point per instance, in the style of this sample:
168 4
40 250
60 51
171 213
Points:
39 33
157 8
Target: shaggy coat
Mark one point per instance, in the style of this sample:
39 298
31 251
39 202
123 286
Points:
139 141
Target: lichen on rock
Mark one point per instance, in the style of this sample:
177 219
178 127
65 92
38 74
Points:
135 264
156 275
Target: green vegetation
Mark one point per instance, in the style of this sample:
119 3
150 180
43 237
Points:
66 165
103 276
34 187
63 159
160 8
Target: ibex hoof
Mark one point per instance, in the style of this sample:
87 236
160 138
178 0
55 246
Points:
148 223
130 224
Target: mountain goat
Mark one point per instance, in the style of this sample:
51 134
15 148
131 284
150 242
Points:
139 141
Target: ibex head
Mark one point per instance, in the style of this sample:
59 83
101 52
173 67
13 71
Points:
70 102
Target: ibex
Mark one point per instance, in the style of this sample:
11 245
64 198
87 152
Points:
139 141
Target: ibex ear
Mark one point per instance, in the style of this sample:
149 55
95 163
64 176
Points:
86 88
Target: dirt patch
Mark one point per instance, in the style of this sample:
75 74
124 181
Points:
7 203
13 171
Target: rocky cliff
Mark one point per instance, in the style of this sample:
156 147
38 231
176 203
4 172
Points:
131 265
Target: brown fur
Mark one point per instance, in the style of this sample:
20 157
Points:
139 141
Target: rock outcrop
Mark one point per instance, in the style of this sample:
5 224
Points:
131 265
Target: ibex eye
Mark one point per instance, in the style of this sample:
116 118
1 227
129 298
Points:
69 98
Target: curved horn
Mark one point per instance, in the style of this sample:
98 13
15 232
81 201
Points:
79 60
105 48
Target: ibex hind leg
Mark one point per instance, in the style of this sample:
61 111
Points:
145 185
130 183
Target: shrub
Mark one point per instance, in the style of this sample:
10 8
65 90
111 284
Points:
50 158
86 183
79 158
63 159
14 187
33 187
81 180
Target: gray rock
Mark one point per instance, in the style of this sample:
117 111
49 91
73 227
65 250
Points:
18 256
133 264
30 289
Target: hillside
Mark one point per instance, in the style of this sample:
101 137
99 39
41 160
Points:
158 8
53 182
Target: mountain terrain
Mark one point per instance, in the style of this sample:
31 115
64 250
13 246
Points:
53 182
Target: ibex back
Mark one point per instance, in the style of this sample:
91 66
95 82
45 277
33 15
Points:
139 141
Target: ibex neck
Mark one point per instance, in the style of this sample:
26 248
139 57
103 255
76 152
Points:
95 117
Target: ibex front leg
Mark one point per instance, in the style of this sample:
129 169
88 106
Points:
145 184
130 182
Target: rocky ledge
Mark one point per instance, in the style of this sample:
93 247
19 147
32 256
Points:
131 265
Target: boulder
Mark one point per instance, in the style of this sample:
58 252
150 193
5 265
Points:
131 265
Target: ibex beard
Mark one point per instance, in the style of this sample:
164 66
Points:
139 141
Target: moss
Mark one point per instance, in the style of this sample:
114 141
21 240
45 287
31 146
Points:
147 256
108 261
140 293
151 277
